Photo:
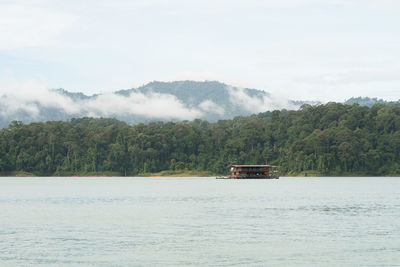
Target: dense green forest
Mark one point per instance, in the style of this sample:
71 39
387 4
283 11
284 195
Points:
331 139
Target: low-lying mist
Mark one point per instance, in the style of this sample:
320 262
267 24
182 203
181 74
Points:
34 102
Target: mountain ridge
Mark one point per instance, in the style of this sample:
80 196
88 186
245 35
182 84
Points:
154 101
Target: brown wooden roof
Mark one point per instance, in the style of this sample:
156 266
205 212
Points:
251 166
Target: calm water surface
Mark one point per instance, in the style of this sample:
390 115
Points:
199 221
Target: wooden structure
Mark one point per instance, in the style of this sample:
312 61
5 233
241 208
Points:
254 172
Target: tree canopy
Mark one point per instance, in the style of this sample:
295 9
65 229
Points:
330 139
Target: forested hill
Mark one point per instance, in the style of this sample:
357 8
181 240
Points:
331 139
155 101
369 102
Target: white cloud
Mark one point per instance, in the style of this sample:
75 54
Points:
301 48
28 26
239 97
30 97
151 105
210 106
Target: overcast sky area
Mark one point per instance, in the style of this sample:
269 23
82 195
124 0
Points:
328 50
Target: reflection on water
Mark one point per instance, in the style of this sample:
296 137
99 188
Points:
346 209
199 221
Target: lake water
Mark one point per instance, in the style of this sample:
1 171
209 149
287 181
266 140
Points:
199 221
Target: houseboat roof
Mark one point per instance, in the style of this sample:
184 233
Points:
252 166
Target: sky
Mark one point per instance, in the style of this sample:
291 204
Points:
327 50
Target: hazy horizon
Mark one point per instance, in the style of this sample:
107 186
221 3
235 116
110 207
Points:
298 49
93 92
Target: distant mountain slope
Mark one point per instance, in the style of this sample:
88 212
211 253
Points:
155 101
368 101
216 100
194 92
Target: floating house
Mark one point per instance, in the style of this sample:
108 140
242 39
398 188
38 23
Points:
254 172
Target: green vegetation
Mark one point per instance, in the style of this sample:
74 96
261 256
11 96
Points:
192 94
369 102
331 139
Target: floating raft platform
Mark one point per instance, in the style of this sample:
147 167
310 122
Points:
252 172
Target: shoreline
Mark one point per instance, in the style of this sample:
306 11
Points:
181 175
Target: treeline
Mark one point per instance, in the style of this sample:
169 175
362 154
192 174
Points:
331 139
